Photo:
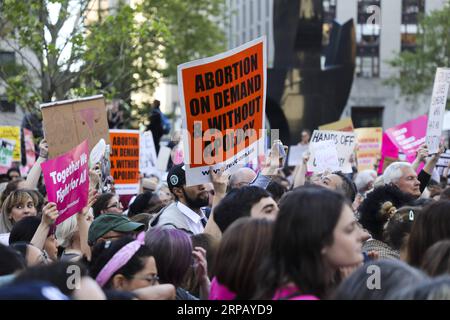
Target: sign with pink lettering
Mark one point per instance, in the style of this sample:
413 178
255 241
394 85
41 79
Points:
409 136
66 180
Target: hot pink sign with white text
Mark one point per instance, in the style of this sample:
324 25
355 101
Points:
409 136
66 180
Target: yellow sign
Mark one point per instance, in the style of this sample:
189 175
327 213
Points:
341 125
12 133
369 147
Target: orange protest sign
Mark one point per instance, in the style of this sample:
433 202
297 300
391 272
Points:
223 106
125 160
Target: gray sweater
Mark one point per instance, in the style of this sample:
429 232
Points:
171 217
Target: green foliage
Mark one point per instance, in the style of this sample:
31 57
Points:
193 29
117 54
417 69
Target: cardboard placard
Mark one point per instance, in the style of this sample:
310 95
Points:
68 123
223 109
325 156
125 160
345 146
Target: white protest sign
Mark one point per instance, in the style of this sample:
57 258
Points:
296 153
326 157
345 146
163 158
97 153
147 156
437 109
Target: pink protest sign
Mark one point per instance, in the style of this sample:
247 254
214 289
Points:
388 149
66 180
409 136
29 151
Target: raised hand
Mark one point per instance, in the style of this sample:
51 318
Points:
200 263
219 181
49 213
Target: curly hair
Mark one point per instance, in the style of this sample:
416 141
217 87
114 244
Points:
372 217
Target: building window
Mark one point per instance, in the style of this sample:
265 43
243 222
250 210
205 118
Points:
7 63
259 30
267 8
251 12
329 14
411 10
368 40
364 117
258 6
244 15
7 106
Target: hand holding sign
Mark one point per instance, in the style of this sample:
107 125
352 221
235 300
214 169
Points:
49 214
219 181
422 153
276 158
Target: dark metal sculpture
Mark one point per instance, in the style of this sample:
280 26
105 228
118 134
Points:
300 93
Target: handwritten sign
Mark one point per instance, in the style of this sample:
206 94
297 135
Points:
437 109
369 147
326 156
345 145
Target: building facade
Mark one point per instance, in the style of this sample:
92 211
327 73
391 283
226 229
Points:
383 28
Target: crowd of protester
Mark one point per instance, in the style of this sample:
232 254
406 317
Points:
279 233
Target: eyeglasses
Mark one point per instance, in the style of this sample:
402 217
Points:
152 279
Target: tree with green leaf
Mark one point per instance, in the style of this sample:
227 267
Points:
71 48
417 68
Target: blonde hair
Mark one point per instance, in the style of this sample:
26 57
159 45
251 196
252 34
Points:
14 198
66 230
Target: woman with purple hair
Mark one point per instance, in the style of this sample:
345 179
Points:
174 255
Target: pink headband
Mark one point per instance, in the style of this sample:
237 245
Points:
119 259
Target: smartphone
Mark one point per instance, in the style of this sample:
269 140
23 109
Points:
282 151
